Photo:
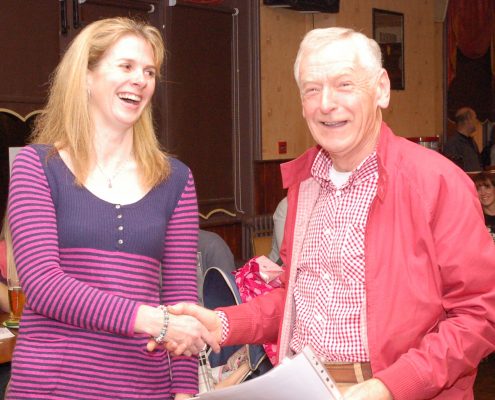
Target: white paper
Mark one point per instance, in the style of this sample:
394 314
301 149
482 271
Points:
296 378
5 333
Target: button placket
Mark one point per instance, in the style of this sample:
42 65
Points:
120 225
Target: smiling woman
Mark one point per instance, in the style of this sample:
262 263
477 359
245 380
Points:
485 184
114 216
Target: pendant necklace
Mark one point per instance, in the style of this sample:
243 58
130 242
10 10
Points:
117 171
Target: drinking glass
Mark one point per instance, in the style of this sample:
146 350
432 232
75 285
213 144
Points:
16 300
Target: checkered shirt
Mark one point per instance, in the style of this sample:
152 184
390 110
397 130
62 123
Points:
329 294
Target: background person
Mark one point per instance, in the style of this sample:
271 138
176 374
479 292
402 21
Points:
278 230
380 278
461 147
485 184
98 215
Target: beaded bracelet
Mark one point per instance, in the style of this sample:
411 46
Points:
163 332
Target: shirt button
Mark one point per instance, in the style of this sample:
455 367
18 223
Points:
120 241
326 276
327 231
338 193
120 228
117 206
318 317
119 216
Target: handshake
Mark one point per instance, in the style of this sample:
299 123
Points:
189 330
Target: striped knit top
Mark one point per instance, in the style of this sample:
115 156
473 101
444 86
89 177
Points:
86 265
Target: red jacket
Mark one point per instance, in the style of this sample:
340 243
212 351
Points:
430 273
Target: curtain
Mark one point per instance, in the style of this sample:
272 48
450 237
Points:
471 29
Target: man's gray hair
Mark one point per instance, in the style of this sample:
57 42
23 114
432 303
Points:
368 51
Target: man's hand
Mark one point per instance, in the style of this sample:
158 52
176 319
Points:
372 389
190 327
208 318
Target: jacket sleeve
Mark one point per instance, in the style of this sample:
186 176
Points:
464 253
258 320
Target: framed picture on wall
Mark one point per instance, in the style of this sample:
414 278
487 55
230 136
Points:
388 31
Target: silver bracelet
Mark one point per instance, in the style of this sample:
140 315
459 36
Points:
163 332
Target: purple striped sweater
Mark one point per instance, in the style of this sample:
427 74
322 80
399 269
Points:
85 266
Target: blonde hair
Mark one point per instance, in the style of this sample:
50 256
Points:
66 122
367 50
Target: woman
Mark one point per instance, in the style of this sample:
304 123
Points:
6 264
485 184
99 217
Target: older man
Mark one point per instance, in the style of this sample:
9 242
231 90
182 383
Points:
390 270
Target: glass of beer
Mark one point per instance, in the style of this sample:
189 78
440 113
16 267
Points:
16 300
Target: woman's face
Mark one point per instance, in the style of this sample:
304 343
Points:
122 83
486 192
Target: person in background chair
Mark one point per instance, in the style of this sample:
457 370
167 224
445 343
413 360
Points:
104 226
215 252
278 230
389 269
461 147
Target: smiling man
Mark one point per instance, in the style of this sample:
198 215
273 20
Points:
395 295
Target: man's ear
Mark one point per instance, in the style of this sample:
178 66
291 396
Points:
383 89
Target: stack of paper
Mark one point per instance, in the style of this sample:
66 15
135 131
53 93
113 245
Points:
295 378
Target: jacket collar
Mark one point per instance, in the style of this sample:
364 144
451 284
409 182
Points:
299 169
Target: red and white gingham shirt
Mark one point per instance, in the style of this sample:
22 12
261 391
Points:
330 288
330 294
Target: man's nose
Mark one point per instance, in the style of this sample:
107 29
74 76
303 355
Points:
328 101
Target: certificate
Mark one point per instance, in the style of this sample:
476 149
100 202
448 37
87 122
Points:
302 376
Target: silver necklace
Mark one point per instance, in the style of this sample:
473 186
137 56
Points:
109 179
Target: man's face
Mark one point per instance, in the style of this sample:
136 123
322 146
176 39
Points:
472 123
341 101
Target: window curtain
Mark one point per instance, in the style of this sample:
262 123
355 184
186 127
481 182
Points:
471 30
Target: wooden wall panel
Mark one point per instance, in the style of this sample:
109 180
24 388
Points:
416 111
281 30
269 190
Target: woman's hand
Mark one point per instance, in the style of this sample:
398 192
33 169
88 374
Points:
185 334
208 318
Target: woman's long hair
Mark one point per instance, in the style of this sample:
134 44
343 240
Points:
65 121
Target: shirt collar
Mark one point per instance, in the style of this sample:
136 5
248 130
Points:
322 164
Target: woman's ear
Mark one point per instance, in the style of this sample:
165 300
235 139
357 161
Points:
383 89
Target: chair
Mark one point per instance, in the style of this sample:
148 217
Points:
260 233
262 245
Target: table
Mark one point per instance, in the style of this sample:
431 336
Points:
6 345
